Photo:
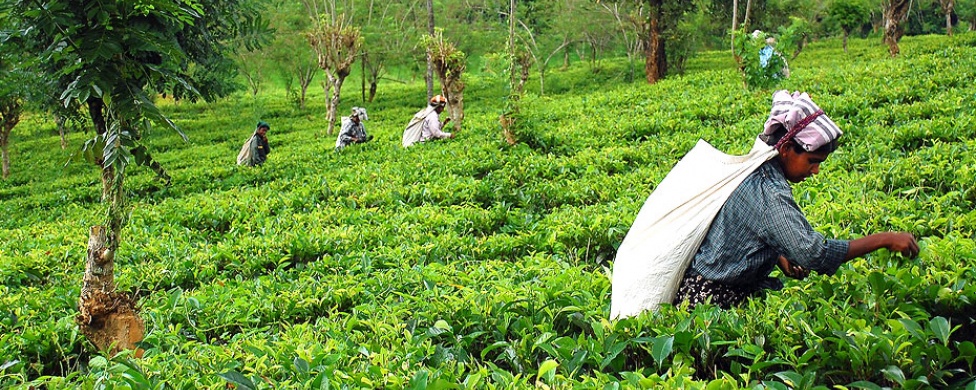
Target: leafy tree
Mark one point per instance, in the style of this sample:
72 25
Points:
894 13
252 67
291 56
848 15
966 11
112 57
564 32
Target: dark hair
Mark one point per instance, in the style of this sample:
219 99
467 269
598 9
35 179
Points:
780 131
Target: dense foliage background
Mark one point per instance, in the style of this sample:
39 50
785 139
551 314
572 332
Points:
473 264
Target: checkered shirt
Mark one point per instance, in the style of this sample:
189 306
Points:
758 222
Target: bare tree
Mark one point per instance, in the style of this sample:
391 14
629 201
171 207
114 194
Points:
336 44
536 51
250 64
385 47
449 64
625 27
894 12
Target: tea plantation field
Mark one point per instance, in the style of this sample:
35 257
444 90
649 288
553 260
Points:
471 264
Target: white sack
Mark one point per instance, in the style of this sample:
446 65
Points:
343 122
244 156
669 228
411 134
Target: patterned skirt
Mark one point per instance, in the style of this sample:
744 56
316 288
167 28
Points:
696 289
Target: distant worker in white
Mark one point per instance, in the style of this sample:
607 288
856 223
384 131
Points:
426 124
353 130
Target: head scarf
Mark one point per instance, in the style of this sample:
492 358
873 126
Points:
438 100
360 113
804 121
263 124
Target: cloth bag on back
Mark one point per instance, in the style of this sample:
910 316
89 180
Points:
411 134
672 223
244 156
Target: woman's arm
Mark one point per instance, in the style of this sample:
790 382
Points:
893 241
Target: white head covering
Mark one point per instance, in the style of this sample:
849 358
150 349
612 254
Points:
804 121
360 112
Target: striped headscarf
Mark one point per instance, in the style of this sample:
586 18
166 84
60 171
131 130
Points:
804 121
360 113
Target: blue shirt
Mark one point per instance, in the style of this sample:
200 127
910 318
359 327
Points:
764 55
759 222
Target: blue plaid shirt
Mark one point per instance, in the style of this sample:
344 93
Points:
759 222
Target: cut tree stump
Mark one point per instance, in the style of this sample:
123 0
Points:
109 319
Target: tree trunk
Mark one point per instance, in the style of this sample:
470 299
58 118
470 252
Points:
895 12
566 58
735 22
63 131
305 80
745 17
513 57
542 80
523 77
949 23
9 117
845 40
372 90
362 68
108 318
4 138
96 111
455 103
947 7
327 92
334 102
655 62
429 76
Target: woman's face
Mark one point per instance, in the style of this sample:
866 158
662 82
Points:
798 166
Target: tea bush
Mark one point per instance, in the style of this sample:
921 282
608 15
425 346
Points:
473 264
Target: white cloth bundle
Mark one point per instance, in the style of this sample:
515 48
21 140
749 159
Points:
672 223
411 134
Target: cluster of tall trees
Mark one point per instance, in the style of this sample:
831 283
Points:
660 33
